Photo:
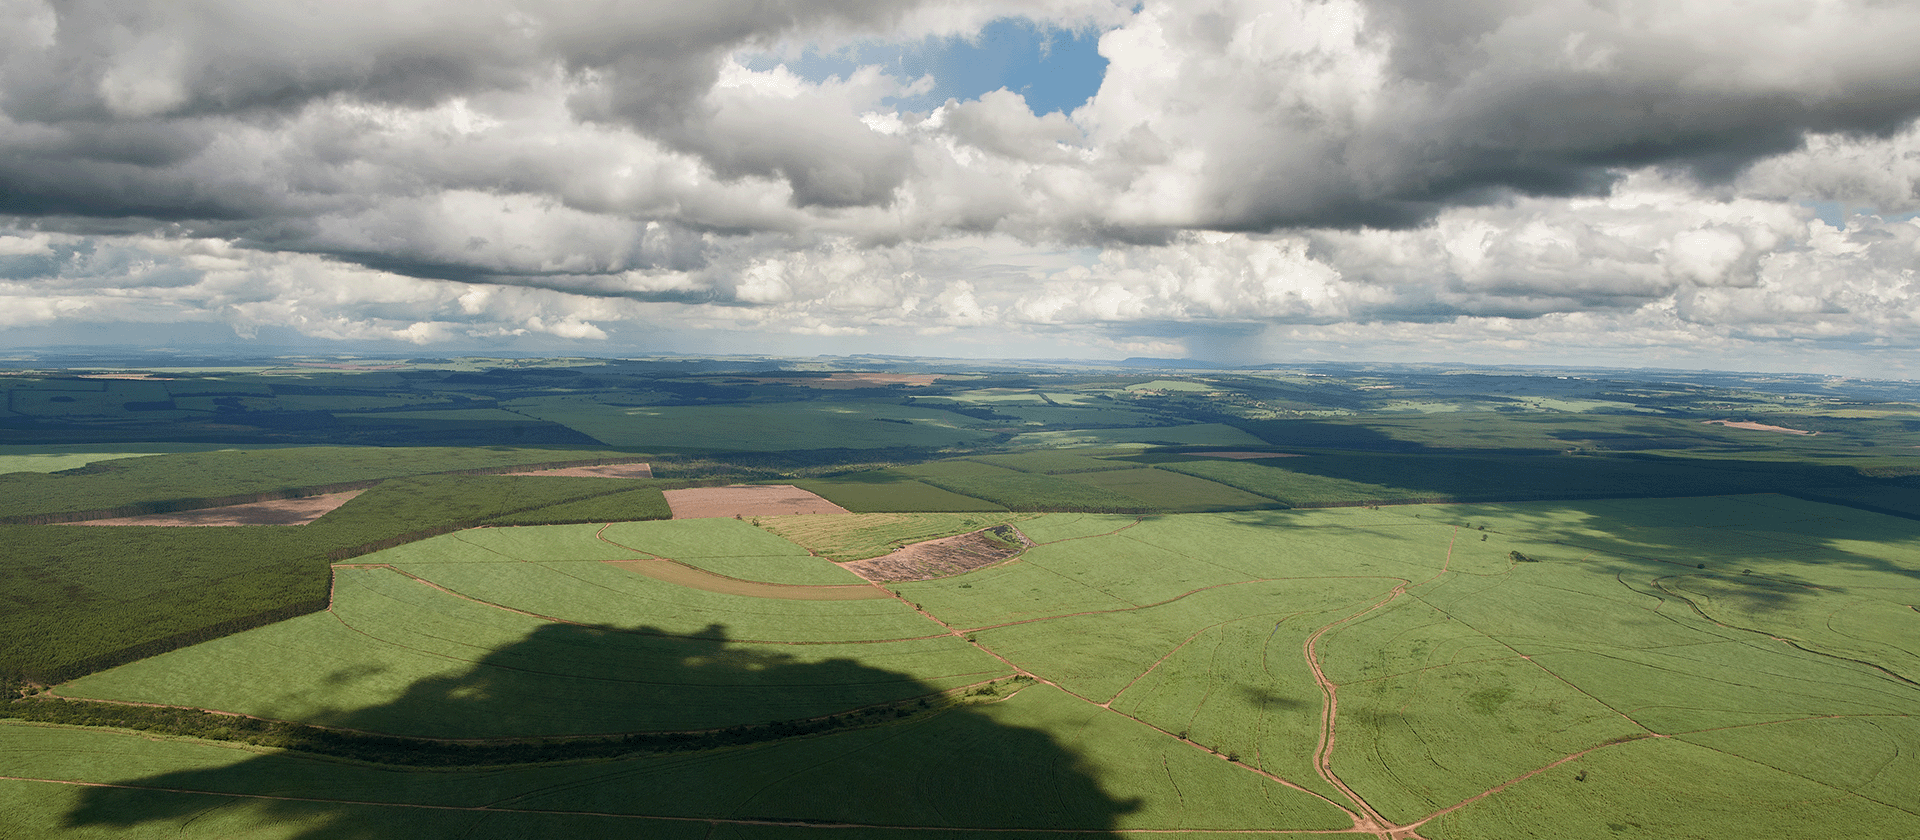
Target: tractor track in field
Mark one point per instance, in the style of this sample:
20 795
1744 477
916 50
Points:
1368 819
964 635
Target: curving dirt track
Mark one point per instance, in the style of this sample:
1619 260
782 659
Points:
684 575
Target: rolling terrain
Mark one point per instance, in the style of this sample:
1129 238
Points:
1460 606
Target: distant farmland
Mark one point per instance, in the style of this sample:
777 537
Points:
1492 671
1468 607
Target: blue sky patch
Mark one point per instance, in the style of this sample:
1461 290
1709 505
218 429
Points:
1055 69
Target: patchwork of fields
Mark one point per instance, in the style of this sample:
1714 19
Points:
1724 666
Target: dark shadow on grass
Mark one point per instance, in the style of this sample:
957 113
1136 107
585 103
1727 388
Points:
910 765
1265 699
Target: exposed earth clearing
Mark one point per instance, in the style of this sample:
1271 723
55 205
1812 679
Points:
602 471
276 512
944 557
1757 427
746 500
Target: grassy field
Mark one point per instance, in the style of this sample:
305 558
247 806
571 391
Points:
1174 492
1353 477
1059 765
1022 491
232 472
1053 462
55 458
1579 647
399 657
1671 637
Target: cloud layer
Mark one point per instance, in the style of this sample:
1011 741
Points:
1252 179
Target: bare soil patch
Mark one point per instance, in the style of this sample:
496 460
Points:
944 557
746 500
1758 427
602 471
692 578
1247 456
277 512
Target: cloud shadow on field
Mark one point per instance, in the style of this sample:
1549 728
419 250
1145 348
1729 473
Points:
1265 699
961 767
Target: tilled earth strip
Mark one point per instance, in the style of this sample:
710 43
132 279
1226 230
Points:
944 557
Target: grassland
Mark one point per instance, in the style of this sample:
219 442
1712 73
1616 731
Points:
1176 654
55 458
1174 492
1053 462
398 657
1020 491
885 491
1605 661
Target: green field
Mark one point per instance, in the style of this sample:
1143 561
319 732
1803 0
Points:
885 491
770 428
47 459
1195 434
1023 491
1477 607
399 657
1610 655
1174 492
200 475
1052 462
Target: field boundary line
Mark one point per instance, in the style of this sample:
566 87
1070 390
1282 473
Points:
632 632
1018 669
1656 582
1330 709
1182 595
1521 778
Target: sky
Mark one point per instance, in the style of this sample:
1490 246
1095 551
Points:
1726 184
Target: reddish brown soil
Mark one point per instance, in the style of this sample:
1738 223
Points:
1758 427
1246 456
602 471
746 500
277 512
943 557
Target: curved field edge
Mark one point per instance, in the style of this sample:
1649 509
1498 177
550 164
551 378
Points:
1060 768
1583 629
